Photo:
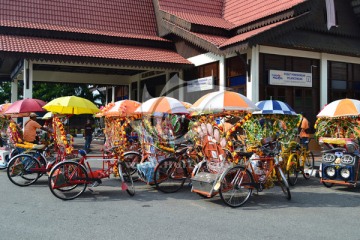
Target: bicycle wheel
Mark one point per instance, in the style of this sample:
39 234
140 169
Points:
170 175
236 186
125 174
328 185
68 180
309 165
293 172
283 183
131 159
20 172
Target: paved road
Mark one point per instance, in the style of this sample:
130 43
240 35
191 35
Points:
315 212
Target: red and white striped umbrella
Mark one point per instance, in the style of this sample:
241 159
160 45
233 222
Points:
223 101
162 105
122 108
341 108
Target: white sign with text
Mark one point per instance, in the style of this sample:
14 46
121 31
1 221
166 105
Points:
200 84
287 78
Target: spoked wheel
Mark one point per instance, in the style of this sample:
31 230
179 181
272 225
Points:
283 183
68 180
169 175
236 186
293 172
309 166
131 159
21 170
125 175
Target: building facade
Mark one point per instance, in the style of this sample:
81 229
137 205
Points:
303 52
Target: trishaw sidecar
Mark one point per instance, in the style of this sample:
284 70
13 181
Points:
340 161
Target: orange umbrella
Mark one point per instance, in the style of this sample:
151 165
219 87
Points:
341 108
223 101
4 107
187 105
121 108
162 105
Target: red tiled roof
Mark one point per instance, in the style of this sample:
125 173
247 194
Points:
240 12
221 41
203 20
211 8
35 45
115 18
225 14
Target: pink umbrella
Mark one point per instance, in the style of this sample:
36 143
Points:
26 106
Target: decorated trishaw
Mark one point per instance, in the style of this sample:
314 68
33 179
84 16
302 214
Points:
216 136
277 120
69 178
5 144
159 134
338 132
118 131
230 171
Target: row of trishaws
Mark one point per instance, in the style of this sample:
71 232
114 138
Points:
221 132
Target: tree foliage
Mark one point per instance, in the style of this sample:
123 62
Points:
50 91
5 92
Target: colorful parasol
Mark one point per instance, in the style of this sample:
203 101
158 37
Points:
4 107
121 108
71 105
162 105
274 107
26 106
341 108
223 101
187 105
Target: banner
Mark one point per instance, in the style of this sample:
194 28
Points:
200 84
287 78
330 13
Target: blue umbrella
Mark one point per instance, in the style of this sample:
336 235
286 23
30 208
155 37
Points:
274 107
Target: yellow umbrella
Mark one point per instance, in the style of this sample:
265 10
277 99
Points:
71 105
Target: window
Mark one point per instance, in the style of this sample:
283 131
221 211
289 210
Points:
236 74
344 80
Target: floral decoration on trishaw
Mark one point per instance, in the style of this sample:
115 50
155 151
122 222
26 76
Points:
158 130
338 133
213 132
118 119
275 126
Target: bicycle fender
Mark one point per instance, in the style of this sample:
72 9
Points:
288 164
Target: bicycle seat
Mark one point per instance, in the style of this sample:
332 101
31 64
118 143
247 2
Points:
82 152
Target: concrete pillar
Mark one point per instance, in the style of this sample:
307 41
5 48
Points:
222 74
138 89
181 88
323 80
252 86
129 86
28 79
106 96
113 93
14 90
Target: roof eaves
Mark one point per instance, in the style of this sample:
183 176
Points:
191 37
40 26
269 32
